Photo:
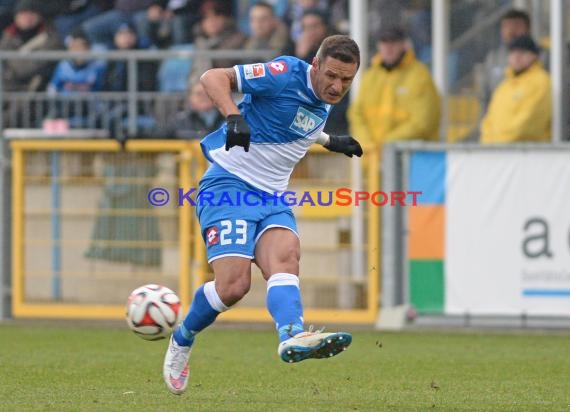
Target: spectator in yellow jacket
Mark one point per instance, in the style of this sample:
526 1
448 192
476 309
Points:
397 98
521 105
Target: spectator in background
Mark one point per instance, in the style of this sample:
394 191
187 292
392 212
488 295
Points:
297 13
102 28
198 118
125 39
267 31
117 80
383 13
520 108
514 23
397 98
76 74
314 28
217 30
170 22
29 32
281 9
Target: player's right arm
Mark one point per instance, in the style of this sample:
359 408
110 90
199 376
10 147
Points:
265 79
219 85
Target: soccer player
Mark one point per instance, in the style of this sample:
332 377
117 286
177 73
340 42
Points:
285 106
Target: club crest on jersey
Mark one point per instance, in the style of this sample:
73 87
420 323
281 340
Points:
305 122
277 67
252 71
212 235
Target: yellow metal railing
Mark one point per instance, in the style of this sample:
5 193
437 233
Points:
21 307
192 269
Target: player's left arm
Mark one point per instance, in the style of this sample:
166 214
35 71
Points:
347 145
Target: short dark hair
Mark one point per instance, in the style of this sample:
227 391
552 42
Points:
263 4
34 6
341 47
218 7
323 15
77 34
517 14
392 34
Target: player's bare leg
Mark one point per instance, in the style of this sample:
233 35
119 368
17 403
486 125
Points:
232 282
233 278
277 254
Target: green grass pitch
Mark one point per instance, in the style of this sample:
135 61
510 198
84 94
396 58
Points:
102 368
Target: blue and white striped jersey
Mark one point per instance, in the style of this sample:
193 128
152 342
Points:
285 117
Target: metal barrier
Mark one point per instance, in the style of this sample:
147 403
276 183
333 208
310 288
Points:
129 106
84 234
106 111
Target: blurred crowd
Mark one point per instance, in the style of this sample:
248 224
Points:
397 98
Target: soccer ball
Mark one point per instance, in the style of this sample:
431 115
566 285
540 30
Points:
153 311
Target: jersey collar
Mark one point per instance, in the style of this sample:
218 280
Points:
309 84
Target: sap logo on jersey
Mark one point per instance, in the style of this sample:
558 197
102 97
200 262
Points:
252 71
305 122
277 67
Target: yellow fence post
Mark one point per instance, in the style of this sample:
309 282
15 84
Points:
373 242
185 157
199 259
17 230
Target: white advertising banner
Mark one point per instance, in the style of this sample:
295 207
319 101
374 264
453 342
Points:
507 233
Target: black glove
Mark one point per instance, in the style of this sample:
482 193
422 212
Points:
344 144
238 132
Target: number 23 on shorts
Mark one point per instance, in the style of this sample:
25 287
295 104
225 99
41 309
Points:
229 232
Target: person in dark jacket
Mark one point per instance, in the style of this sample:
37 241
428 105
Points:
29 32
198 118
117 80
126 38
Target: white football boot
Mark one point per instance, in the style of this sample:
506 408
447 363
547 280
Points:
313 345
175 368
